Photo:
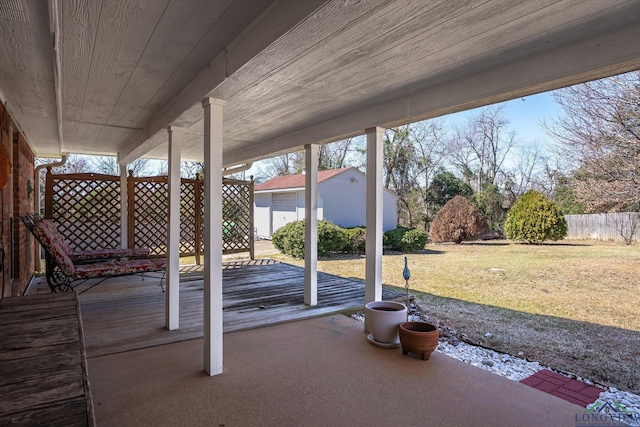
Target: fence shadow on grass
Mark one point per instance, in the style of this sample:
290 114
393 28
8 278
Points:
604 354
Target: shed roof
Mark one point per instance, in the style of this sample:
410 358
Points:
295 181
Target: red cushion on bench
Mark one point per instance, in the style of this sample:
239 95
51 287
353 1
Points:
117 268
48 235
108 253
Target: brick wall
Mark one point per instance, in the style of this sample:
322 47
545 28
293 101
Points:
23 203
5 219
16 242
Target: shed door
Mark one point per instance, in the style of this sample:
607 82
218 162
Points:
284 209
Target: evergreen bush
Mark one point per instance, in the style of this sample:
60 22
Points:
393 237
458 220
289 239
414 240
534 218
356 240
331 238
406 239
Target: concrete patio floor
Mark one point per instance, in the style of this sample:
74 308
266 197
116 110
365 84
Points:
314 372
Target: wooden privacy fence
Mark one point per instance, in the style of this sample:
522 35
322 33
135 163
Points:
616 227
87 208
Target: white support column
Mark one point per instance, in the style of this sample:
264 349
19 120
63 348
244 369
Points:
373 276
173 230
311 225
124 209
213 235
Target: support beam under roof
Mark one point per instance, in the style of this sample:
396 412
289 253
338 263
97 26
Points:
275 22
591 59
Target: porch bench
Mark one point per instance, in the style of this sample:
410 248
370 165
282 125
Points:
43 367
50 227
62 272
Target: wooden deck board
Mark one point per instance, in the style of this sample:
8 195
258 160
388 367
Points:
128 313
42 370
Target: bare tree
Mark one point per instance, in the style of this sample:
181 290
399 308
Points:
599 134
526 172
76 163
627 227
284 164
191 170
109 165
481 145
332 156
429 141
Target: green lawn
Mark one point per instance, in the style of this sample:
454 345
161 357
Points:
571 305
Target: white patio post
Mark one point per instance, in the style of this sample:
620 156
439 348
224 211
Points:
373 275
124 210
213 235
311 225
173 231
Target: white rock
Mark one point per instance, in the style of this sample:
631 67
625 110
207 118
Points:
488 335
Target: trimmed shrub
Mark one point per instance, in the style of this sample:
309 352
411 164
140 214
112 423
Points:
406 239
331 238
457 221
289 239
534 219
414 240
356 240
393 237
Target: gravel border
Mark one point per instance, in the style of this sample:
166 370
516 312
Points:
513 367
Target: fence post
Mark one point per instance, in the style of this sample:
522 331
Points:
197 199
131 226
252 241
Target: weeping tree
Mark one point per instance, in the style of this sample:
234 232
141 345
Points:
598 133
457 221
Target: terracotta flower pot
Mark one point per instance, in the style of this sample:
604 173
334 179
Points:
382 319
419 338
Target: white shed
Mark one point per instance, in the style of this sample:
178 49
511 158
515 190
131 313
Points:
341 200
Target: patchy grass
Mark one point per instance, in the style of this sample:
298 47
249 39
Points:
570 305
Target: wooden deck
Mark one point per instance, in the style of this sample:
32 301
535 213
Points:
43 376
126 313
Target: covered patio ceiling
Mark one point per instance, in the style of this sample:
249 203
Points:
108 77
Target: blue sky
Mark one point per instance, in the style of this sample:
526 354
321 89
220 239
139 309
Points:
524 114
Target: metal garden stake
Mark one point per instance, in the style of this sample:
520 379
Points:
407 275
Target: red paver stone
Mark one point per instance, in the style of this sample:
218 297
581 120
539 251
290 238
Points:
574 395
552 377
563 387
592 392
576 386
567 398
546 386
531 381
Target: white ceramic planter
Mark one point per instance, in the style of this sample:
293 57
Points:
382 319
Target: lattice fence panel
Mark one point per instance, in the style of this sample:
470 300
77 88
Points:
237 216
237 228
86 208
150 213
189 207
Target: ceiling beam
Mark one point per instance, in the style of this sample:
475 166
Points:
590 59
277 20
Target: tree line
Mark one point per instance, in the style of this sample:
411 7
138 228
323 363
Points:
592 164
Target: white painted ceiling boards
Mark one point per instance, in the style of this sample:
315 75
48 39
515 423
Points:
108 77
